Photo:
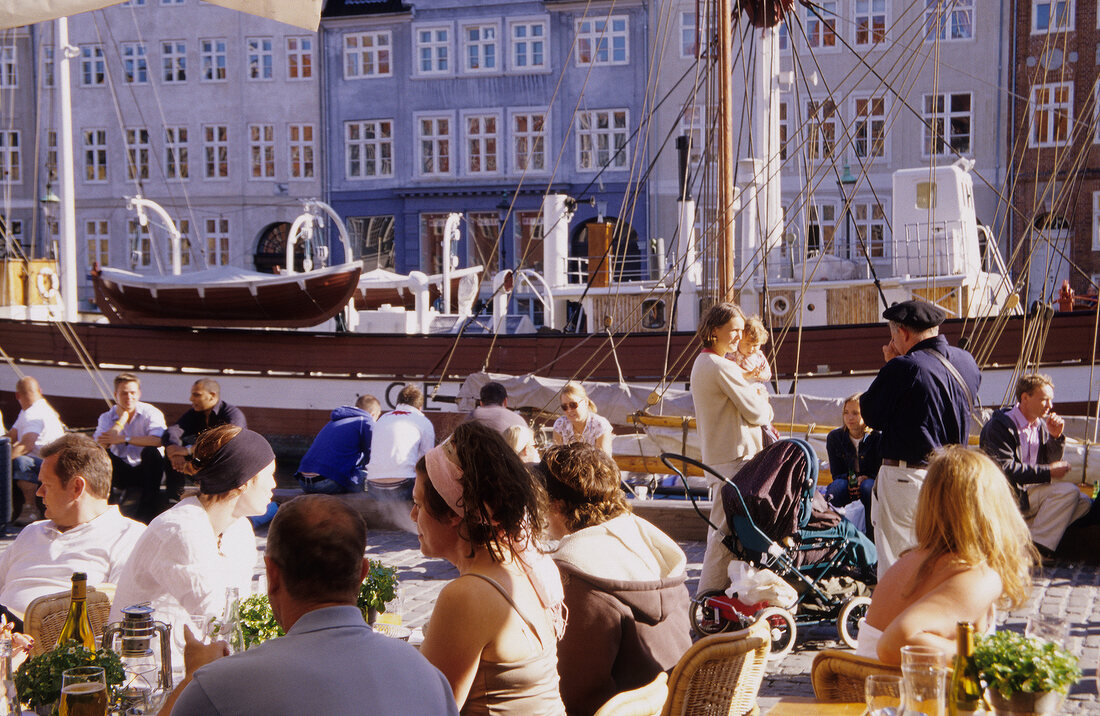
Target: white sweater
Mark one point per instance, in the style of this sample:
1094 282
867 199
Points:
729 410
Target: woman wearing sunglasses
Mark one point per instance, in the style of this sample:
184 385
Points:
579 422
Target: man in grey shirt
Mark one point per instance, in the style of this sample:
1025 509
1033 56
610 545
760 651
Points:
330 662
492 409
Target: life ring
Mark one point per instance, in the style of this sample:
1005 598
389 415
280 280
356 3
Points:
780 305
48 284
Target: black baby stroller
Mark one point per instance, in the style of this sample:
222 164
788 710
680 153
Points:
778 522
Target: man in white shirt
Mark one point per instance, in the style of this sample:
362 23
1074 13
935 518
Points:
81 532
401 437
131 432
37 425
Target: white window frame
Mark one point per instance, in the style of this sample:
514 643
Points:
302 150
177 153
215 152
184 227
299 58
1068 14
435 139
260 59
379 148
49 66
480 55
93 66
216 241
94 146
877 123
434 45
477 142
9 67
528 42
946 117
171 2
824 215
952 24
211 50
135 63
364 61
689 30
97 244
173 61
598 35
586 127
817 120
863 210
529 137
821 27
11 157
261 150
136 140
867 9
1033 109
140 241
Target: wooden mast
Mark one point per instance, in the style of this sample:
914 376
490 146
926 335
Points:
727 268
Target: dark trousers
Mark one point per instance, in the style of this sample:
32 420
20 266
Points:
138 485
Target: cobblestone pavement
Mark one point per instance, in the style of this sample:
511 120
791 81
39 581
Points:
1066 590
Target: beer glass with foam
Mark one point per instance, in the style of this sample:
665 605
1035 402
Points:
83 692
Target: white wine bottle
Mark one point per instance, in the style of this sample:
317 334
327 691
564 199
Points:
965 697
78 626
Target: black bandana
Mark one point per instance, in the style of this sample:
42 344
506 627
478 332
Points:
238 461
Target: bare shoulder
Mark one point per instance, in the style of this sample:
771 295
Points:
974 584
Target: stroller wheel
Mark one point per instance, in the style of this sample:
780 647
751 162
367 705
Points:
783 629
847 622
707 620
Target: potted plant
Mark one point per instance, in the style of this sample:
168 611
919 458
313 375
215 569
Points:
258 621
38 680
1024 675
379 588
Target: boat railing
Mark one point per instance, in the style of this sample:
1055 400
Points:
938 248
626 268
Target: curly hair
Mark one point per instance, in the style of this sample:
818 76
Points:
755 329
966 510
505 505
583 484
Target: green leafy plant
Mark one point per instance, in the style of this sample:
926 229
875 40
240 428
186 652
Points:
38 681
377 589
1012 663
258 621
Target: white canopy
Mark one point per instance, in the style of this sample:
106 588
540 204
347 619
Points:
300 13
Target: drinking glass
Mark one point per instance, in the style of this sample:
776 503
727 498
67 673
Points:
83 692
1048 628
203 626
883 694
924 685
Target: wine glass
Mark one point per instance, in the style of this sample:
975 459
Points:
83 692
883 694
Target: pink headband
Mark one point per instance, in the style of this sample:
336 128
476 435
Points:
446 478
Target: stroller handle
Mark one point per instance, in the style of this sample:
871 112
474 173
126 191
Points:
669 458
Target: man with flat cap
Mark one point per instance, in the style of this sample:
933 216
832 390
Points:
920 400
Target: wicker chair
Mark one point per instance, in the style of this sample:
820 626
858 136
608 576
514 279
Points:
46 615
646 701
839 675
720 674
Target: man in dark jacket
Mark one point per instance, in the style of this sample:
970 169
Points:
337 460
207 411
1026 440
920 400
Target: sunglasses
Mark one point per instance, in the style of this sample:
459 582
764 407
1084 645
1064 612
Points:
569 406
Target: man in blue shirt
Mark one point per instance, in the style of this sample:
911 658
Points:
337 460
920 400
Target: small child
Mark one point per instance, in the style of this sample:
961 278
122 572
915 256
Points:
748 353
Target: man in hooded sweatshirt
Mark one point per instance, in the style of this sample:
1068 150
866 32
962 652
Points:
336 461
623 579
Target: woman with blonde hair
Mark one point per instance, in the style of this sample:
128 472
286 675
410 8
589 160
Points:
973 554
189 555
493 632
579 422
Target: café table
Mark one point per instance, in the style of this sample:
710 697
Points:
805 706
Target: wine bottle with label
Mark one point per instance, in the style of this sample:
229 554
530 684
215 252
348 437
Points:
966 686
78 626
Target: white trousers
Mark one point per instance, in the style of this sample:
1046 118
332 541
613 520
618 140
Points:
716 560
894 510
1053 507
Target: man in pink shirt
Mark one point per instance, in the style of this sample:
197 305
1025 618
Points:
1026 440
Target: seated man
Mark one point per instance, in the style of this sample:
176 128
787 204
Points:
81 532
36 426
401 437
1026 441
330 662
492 409
207 411
131 432
337 460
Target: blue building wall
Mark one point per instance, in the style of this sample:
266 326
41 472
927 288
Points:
562 87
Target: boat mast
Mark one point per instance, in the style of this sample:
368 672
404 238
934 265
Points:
727 268
67 222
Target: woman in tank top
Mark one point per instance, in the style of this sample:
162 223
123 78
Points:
494 630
